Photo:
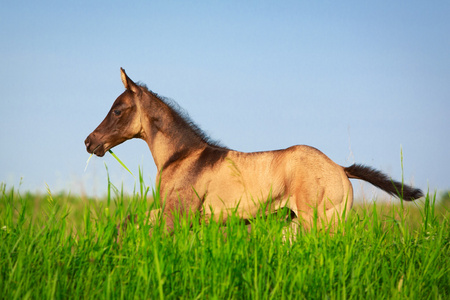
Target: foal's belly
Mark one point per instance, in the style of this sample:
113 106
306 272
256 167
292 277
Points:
243 191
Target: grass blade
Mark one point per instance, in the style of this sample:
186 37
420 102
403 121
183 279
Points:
87 162
120 162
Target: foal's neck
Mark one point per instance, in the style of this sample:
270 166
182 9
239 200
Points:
168 134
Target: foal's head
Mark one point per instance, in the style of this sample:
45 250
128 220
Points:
122 123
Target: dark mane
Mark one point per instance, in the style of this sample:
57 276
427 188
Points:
183 114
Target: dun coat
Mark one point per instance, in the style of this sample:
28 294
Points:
198 175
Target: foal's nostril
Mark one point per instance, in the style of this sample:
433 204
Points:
87 142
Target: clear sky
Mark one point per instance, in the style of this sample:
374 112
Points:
362 81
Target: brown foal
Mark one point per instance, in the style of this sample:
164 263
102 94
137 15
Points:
198 175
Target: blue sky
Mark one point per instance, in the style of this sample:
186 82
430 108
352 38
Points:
361 81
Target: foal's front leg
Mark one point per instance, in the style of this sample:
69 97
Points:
183 208
152 217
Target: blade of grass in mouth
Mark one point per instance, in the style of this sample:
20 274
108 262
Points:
87 162
120 162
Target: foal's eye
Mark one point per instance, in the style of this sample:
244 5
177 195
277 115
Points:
117 112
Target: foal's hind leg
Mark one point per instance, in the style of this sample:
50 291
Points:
326 215
152 216
313 220
291 231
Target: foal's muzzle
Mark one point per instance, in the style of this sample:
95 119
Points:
93 146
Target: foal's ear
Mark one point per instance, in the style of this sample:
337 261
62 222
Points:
127 82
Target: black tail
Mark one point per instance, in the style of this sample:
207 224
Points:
383 182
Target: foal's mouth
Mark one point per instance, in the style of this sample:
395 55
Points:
96 152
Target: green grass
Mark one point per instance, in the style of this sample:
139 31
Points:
61 246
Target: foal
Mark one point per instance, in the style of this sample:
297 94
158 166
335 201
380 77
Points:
196 174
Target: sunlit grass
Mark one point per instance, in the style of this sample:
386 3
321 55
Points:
62 246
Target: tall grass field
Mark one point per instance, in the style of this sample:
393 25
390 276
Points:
64 247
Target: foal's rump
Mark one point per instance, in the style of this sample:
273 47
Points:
319 185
